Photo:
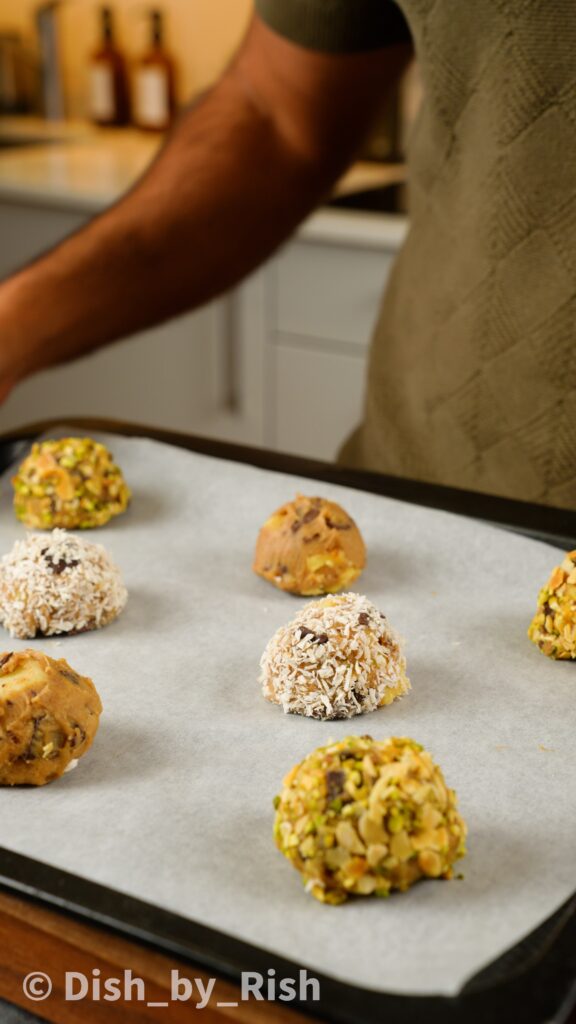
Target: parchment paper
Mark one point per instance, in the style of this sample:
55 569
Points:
174 802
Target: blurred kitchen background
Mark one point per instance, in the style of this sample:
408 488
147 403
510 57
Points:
86 94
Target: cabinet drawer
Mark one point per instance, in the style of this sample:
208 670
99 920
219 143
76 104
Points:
329 292
317 400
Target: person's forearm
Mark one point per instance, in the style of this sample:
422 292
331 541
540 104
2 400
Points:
240 171
221 196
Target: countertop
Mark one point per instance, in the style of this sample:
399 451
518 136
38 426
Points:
75 166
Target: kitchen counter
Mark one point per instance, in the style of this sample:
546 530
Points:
75 166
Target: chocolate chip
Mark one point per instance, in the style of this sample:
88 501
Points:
363 619
316 638
359 696
308 540
58 567
334 784
34 747
283 569
79 735
308 517
5 658
70 676
336 526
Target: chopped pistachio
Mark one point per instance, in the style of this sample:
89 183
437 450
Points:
68 484
368 846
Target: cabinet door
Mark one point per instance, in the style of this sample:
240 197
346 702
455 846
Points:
326 297
330 292
157 379
318 399
171 377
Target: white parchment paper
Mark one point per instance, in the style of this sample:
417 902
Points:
173 805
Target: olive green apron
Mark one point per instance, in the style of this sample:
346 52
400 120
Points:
472 374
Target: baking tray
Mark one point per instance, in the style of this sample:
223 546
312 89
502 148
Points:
537 975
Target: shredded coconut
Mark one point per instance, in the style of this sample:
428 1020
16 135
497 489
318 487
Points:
58 583
337 658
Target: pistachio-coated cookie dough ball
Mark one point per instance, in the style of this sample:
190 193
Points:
337 658
553 627
73 483
48 717
363 816
310 546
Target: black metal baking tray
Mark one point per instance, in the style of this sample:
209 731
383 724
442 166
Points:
533 983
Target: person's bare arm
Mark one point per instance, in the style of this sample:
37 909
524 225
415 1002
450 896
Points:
242 168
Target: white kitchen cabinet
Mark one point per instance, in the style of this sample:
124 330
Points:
318 399
173 376
278 363
329 292
324 292
27 229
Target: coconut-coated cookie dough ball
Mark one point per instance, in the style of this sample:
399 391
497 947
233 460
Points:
365 816
310 546
553 627
48 717
73 483
337 658
58 583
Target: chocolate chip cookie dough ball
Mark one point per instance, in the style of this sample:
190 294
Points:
363 817
310 546
553 627
58 583
73 483
337 658
48 718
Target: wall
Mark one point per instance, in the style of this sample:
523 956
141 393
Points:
201 34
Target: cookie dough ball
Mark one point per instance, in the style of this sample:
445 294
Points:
364 816
72 483
310 546
58 584
553 627
48 718
337 658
